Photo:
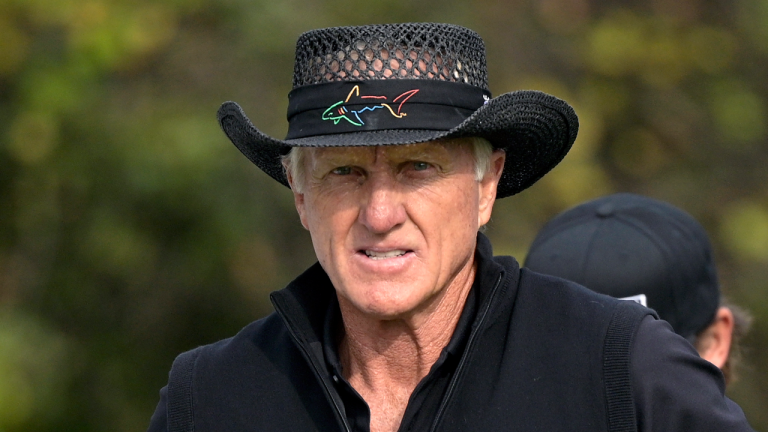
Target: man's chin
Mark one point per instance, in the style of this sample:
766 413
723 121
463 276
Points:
384 311
385 304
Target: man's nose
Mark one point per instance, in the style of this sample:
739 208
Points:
382 209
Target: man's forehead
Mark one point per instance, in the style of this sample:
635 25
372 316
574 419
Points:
429 150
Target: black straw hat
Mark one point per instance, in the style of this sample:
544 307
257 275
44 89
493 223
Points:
404 84
626 245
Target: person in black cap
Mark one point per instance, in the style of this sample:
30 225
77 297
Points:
395 155
637 248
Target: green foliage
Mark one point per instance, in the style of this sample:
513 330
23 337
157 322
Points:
35 365
131 230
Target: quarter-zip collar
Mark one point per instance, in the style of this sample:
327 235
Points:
309 308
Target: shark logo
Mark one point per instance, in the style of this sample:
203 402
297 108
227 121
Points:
338 111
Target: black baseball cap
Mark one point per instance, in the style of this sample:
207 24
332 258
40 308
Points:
626 245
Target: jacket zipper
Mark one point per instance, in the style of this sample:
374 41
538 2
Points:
315 367
467 351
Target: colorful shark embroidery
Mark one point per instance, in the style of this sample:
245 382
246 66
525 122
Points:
338 111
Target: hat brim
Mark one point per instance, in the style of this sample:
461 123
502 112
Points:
535 129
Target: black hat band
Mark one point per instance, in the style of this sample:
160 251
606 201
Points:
356 106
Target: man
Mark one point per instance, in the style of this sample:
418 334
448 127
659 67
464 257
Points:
633 247
395 155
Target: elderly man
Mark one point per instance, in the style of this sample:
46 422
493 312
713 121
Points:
395 155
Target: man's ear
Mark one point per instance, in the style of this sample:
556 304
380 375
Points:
714 343
298 198
488 187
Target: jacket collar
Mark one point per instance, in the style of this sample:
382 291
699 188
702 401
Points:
306 302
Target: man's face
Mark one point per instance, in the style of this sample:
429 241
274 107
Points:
393 226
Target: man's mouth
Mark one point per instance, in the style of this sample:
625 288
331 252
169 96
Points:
384 255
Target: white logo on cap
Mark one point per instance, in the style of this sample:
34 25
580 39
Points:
640 298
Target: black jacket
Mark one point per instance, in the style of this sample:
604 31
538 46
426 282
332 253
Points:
530 353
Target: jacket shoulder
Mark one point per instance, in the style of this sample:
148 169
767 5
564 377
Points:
240 383
571 300
544 348
261 344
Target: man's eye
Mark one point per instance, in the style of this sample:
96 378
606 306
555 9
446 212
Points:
420 166
345 170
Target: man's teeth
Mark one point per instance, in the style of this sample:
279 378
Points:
384 255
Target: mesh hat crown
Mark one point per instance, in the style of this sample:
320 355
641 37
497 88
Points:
398 84
405 51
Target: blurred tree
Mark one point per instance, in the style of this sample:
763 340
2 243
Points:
130 230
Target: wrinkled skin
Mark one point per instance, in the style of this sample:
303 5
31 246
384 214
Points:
395 226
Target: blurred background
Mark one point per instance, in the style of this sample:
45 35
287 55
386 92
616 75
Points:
132 230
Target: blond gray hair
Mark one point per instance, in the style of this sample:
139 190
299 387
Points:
293 162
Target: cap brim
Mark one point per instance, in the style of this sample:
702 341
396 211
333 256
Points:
535 129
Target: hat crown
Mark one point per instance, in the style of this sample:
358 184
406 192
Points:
625 244
442 52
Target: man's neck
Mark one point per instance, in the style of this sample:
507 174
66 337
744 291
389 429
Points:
384 360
